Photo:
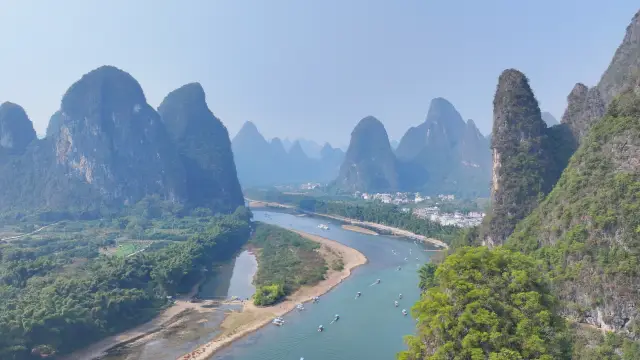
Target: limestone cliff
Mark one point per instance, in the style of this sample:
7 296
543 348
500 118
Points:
369 164
204 147
586 105
586 230
519 156
16 130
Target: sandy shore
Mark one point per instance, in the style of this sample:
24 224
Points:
252 318
169 317
383 228
359 229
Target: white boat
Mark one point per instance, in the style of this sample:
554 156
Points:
395 303
300 307
278 321
404 312
323 226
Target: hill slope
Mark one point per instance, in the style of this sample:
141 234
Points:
587 230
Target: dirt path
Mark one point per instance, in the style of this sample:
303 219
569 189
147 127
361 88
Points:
31 233
252 318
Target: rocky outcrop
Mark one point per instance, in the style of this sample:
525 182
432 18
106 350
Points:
16 130
203 144
112 140
369 163
585 106
519 156
625 64
586 230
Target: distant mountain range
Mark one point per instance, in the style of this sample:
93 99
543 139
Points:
261 162
443 154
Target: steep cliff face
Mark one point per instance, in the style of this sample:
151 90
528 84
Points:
625 64
519 156
16 130
369 163
111 139
204 147
586 105
444 153
587 230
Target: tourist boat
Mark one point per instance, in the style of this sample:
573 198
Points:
278 321
404 312
323 226
395 303
300 307
320 328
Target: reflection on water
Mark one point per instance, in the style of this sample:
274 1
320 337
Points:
233 278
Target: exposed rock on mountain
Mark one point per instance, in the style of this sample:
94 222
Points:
108 133
587 105
445 154
204 147
369 163
549 119
586 230
110 149
519 157
16 130
625 64
584 107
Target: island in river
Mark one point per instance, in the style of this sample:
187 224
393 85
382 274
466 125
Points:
251 318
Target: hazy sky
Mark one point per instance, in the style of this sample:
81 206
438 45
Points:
303 68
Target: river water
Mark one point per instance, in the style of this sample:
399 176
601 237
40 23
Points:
370 327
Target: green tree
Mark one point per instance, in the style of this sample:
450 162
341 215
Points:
487 304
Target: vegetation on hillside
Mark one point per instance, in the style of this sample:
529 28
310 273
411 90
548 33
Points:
587 231
286 261
65 287
486 304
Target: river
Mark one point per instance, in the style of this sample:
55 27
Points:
370 327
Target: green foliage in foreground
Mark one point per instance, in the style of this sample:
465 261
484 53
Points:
487 304
58 295
286 260
268 294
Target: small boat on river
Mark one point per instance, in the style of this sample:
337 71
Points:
278 321
323 226
404 312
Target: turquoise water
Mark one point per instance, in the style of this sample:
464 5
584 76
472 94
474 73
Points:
370 327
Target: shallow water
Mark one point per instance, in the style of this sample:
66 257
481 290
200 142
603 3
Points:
370 327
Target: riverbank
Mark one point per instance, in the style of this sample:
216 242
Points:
359 229
252 318
353 222
172 316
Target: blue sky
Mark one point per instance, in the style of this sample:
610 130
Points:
302 68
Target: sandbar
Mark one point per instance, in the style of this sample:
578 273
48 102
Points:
251 318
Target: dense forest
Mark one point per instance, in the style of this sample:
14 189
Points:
79 281
286 261
386 214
